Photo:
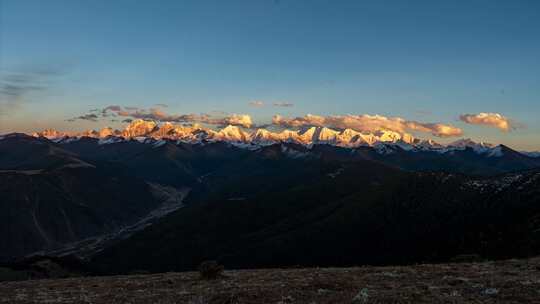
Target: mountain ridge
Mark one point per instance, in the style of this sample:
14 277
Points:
267 195
152 132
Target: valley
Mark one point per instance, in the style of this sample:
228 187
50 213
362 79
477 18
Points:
269 151
146 199
172 200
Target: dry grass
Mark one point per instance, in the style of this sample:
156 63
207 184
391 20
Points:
512 281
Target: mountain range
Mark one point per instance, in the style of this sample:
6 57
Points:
393 148
316 196
148 131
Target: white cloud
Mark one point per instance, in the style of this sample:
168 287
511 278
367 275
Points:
283 104
256 103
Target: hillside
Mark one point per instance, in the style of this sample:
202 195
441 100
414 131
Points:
340 217
511 281
261 207
51 198
179 149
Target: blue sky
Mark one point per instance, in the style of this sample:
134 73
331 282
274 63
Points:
428 61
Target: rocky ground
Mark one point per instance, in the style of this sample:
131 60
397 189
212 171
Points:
511 281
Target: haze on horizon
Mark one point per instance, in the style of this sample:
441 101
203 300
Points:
442 70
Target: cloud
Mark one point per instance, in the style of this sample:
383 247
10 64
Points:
283 104
494 120
156 114
162 105
368 123
256 103
243 120
151 114
110 111
436 129
260 103
90 117
113 108
16 86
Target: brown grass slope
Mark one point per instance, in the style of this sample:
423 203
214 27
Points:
510 281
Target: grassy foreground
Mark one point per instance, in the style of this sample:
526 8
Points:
510 281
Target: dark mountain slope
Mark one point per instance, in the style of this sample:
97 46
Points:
90 149
200 159
364 214
265 207
466 161
161 164
164 162
172 162
50 196
250 204
23 152
42 211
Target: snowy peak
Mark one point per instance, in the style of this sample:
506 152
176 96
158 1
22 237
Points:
388 136
326 135
469 143
480 147
394 137
139 127
169 130
265 137
231 133
51 134
534 154
350 137
306 136
384 141
428 144
106 132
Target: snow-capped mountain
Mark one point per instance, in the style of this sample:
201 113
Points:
532 154
236 164
462 144
140 127
235 134
230 133
384 141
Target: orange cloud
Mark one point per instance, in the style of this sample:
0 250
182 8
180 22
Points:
237 120
494 120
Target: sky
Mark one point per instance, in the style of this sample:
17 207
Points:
424 63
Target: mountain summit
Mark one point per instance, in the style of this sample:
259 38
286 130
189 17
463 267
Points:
348 138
